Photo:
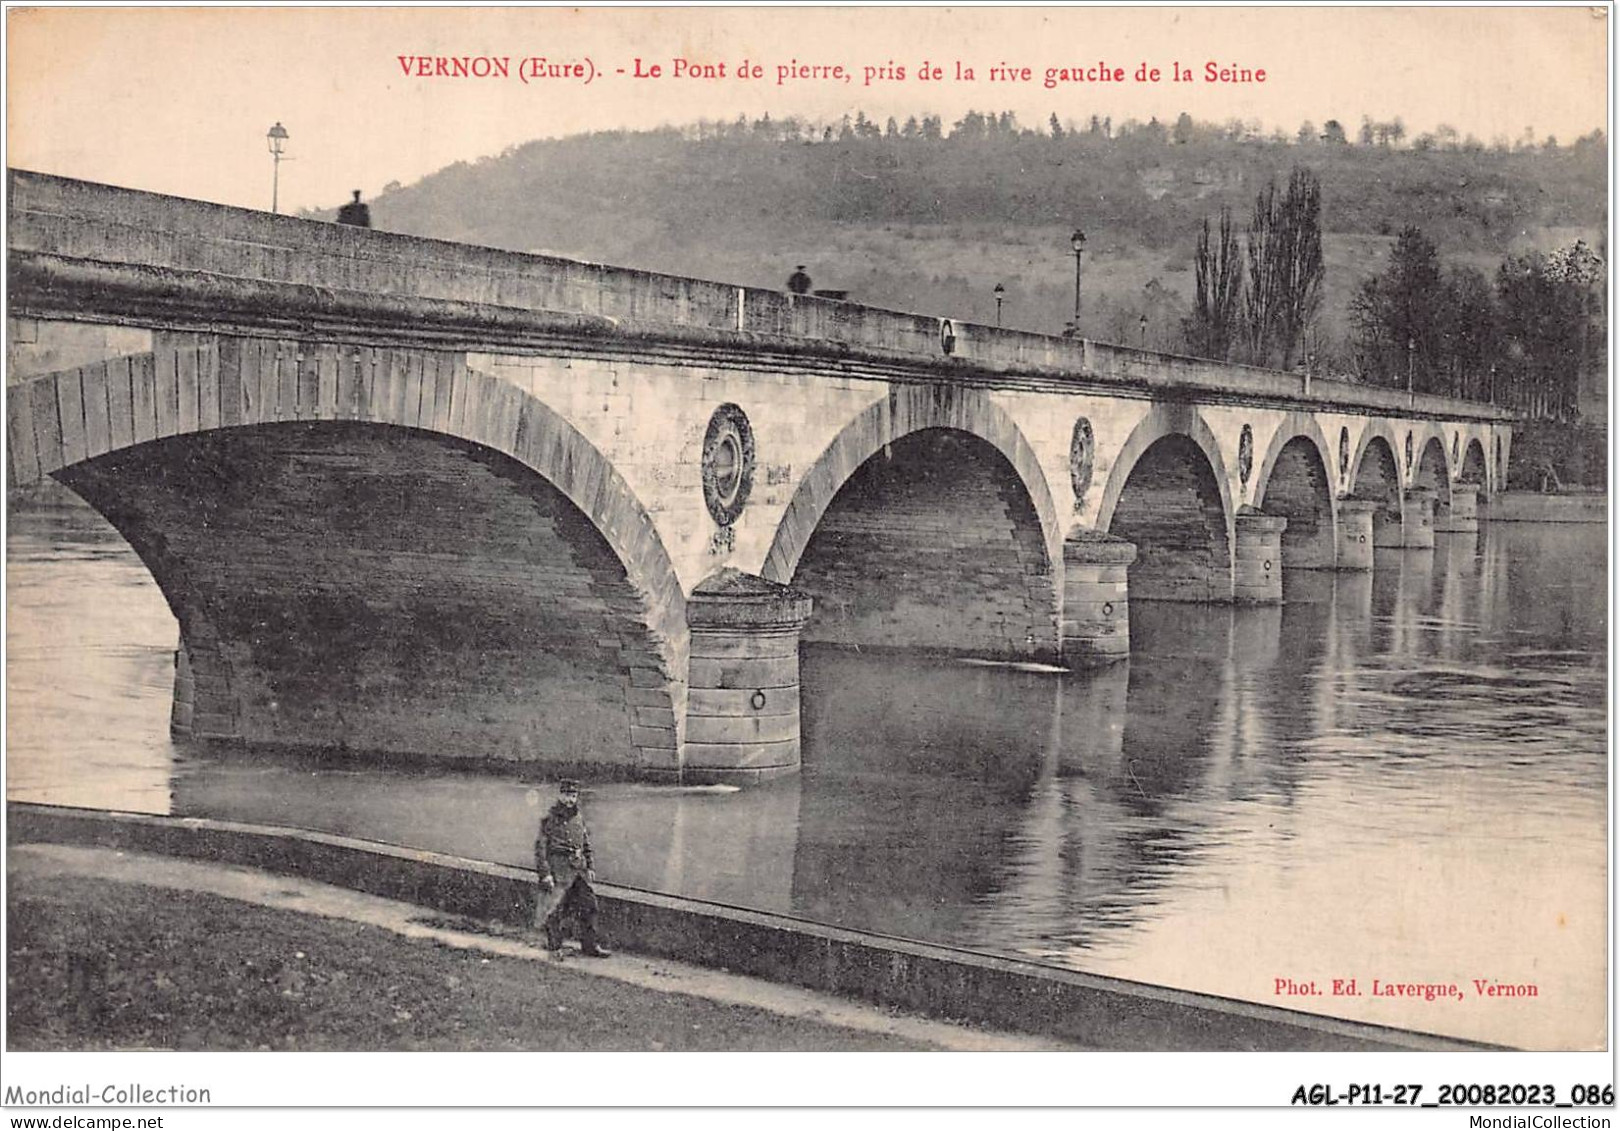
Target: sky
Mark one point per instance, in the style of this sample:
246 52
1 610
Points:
179 100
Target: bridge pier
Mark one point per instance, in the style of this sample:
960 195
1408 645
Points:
1462 516
1417 519
1356 538
202 706
1257 558
742 708
1096 599
1387 522
184 710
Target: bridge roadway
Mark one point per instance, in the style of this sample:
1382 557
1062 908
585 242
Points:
417 498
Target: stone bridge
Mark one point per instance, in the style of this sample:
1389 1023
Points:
417 498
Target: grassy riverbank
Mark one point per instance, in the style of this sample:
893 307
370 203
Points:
97 964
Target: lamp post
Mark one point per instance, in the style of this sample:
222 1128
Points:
1000 292
1521 394
1143 324
1411 361
1078 243
277 140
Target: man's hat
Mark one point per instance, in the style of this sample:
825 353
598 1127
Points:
568 785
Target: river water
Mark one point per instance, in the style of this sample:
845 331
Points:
1398 776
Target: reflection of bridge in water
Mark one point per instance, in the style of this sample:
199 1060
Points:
987 806
418 498
1193 818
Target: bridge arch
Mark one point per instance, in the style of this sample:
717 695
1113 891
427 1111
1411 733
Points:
1381 433
384 457
1431 465
1296 481
927 522
908 409
1168 492
1473 464
1375 475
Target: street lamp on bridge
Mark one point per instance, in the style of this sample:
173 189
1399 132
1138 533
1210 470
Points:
1000 292
1078 243
277 140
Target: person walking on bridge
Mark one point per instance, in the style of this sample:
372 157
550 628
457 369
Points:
562 858
355 213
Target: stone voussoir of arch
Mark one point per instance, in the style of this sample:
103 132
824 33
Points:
908 409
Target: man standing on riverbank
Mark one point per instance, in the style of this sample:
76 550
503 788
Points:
562 857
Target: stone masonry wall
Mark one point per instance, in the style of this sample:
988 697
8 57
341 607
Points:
375 589
1171 509
1378 479
1298 491
933 546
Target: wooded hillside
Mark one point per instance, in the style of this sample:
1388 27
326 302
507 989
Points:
926 217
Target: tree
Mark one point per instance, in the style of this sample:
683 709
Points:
971 127
1307 133
1260 286
1284 285
1300 266
1055 127
1549 306
1397 316
1218 270
1593 140
1182 132
1470 342
1333 133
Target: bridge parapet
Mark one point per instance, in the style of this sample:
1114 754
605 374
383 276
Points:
64 230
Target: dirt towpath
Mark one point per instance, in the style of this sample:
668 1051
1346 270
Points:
114 949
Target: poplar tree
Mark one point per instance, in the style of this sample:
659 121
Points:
1260 292
1284 286
1219 291
1299 261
